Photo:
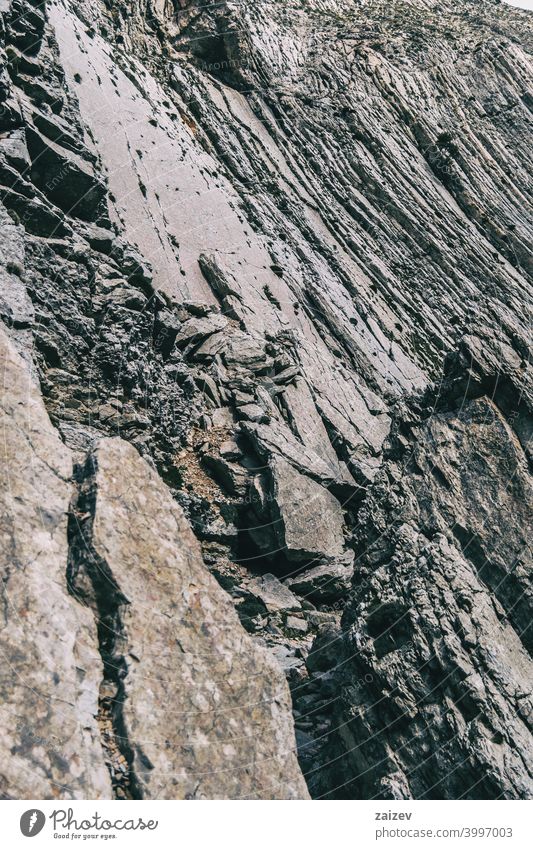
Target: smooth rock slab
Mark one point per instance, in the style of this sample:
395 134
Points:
309 521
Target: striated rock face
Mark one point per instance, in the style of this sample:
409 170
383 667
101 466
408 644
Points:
435 697
269 263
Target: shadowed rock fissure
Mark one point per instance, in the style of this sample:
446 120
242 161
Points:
91 582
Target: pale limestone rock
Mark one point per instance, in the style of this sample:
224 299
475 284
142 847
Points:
274 595
50 672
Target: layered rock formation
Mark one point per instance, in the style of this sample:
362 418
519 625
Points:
126 672
280 252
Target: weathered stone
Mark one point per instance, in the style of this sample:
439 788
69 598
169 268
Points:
276 438
210 347
222 417
49 740
273 593
36 217
286 375
297 625
245 351
308 519
16 308
363 228
196 329
13 147
325 583
458 465
429 653
253 413
230 450
232 478
99 238
207 681
64 177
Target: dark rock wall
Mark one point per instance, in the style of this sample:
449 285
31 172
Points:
283 250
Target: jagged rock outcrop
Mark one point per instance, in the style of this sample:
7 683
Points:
51 669
185 689
435 675
281 252
126 672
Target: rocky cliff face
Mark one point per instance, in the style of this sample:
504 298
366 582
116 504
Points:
268 264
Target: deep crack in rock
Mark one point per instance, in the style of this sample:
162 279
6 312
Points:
91 582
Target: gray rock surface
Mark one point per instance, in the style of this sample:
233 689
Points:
126 672
433 663
273 594
284 253
51 669
325 583
196 709
309 520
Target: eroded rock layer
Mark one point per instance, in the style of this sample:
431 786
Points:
126 672
269 263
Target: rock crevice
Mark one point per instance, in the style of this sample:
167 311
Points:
91 582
